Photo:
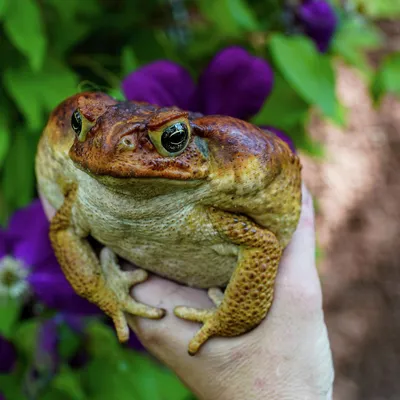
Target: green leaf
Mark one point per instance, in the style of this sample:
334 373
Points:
18 175
35 93
9 314
304 142
156 380
230 17
120 373
340 117
131 377
64 38
3 5
307 71
68 382
242 14
106 380
283 108
353 39
68 27
22 87
11 387
4 136
25 337
69 342
387 77
24 27
55 83
51 393
128 61
69 10
169 383
116 93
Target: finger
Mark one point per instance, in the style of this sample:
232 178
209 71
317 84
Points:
170 335
298 278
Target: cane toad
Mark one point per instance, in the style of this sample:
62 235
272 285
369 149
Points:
207 201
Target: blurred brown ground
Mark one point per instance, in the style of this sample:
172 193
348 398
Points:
358 228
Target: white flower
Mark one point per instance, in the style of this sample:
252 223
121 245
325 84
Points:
13 274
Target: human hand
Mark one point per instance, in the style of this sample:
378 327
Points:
286 357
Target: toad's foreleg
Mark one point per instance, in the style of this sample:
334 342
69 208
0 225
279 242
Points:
102 282
249 293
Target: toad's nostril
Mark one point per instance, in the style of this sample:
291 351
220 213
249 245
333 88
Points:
128 143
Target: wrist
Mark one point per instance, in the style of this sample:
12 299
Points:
259 390
258 374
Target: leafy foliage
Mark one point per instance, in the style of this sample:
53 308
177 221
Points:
380 8
309 73
387 77
51 49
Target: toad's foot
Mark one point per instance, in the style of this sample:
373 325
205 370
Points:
207 317
119 284
249 293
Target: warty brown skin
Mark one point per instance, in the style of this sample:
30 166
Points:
217 214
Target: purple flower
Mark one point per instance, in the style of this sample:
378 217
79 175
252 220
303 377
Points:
235 83
319 21
28 258
7 356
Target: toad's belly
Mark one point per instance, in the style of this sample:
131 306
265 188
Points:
182 246
162 234
198 266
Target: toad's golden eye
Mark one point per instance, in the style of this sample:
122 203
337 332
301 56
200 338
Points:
171 140
80 125
76 122
174 139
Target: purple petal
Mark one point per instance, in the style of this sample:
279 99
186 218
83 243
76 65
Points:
25 220
281 135
7 356
134 343
163 83
28 233
235 83
52 288
75 322
319 22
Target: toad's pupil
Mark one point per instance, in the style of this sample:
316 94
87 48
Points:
76 122
175 137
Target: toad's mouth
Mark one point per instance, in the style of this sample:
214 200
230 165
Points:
113 173
145 185
173 169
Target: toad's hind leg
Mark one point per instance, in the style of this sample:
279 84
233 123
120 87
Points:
102 282
249 293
